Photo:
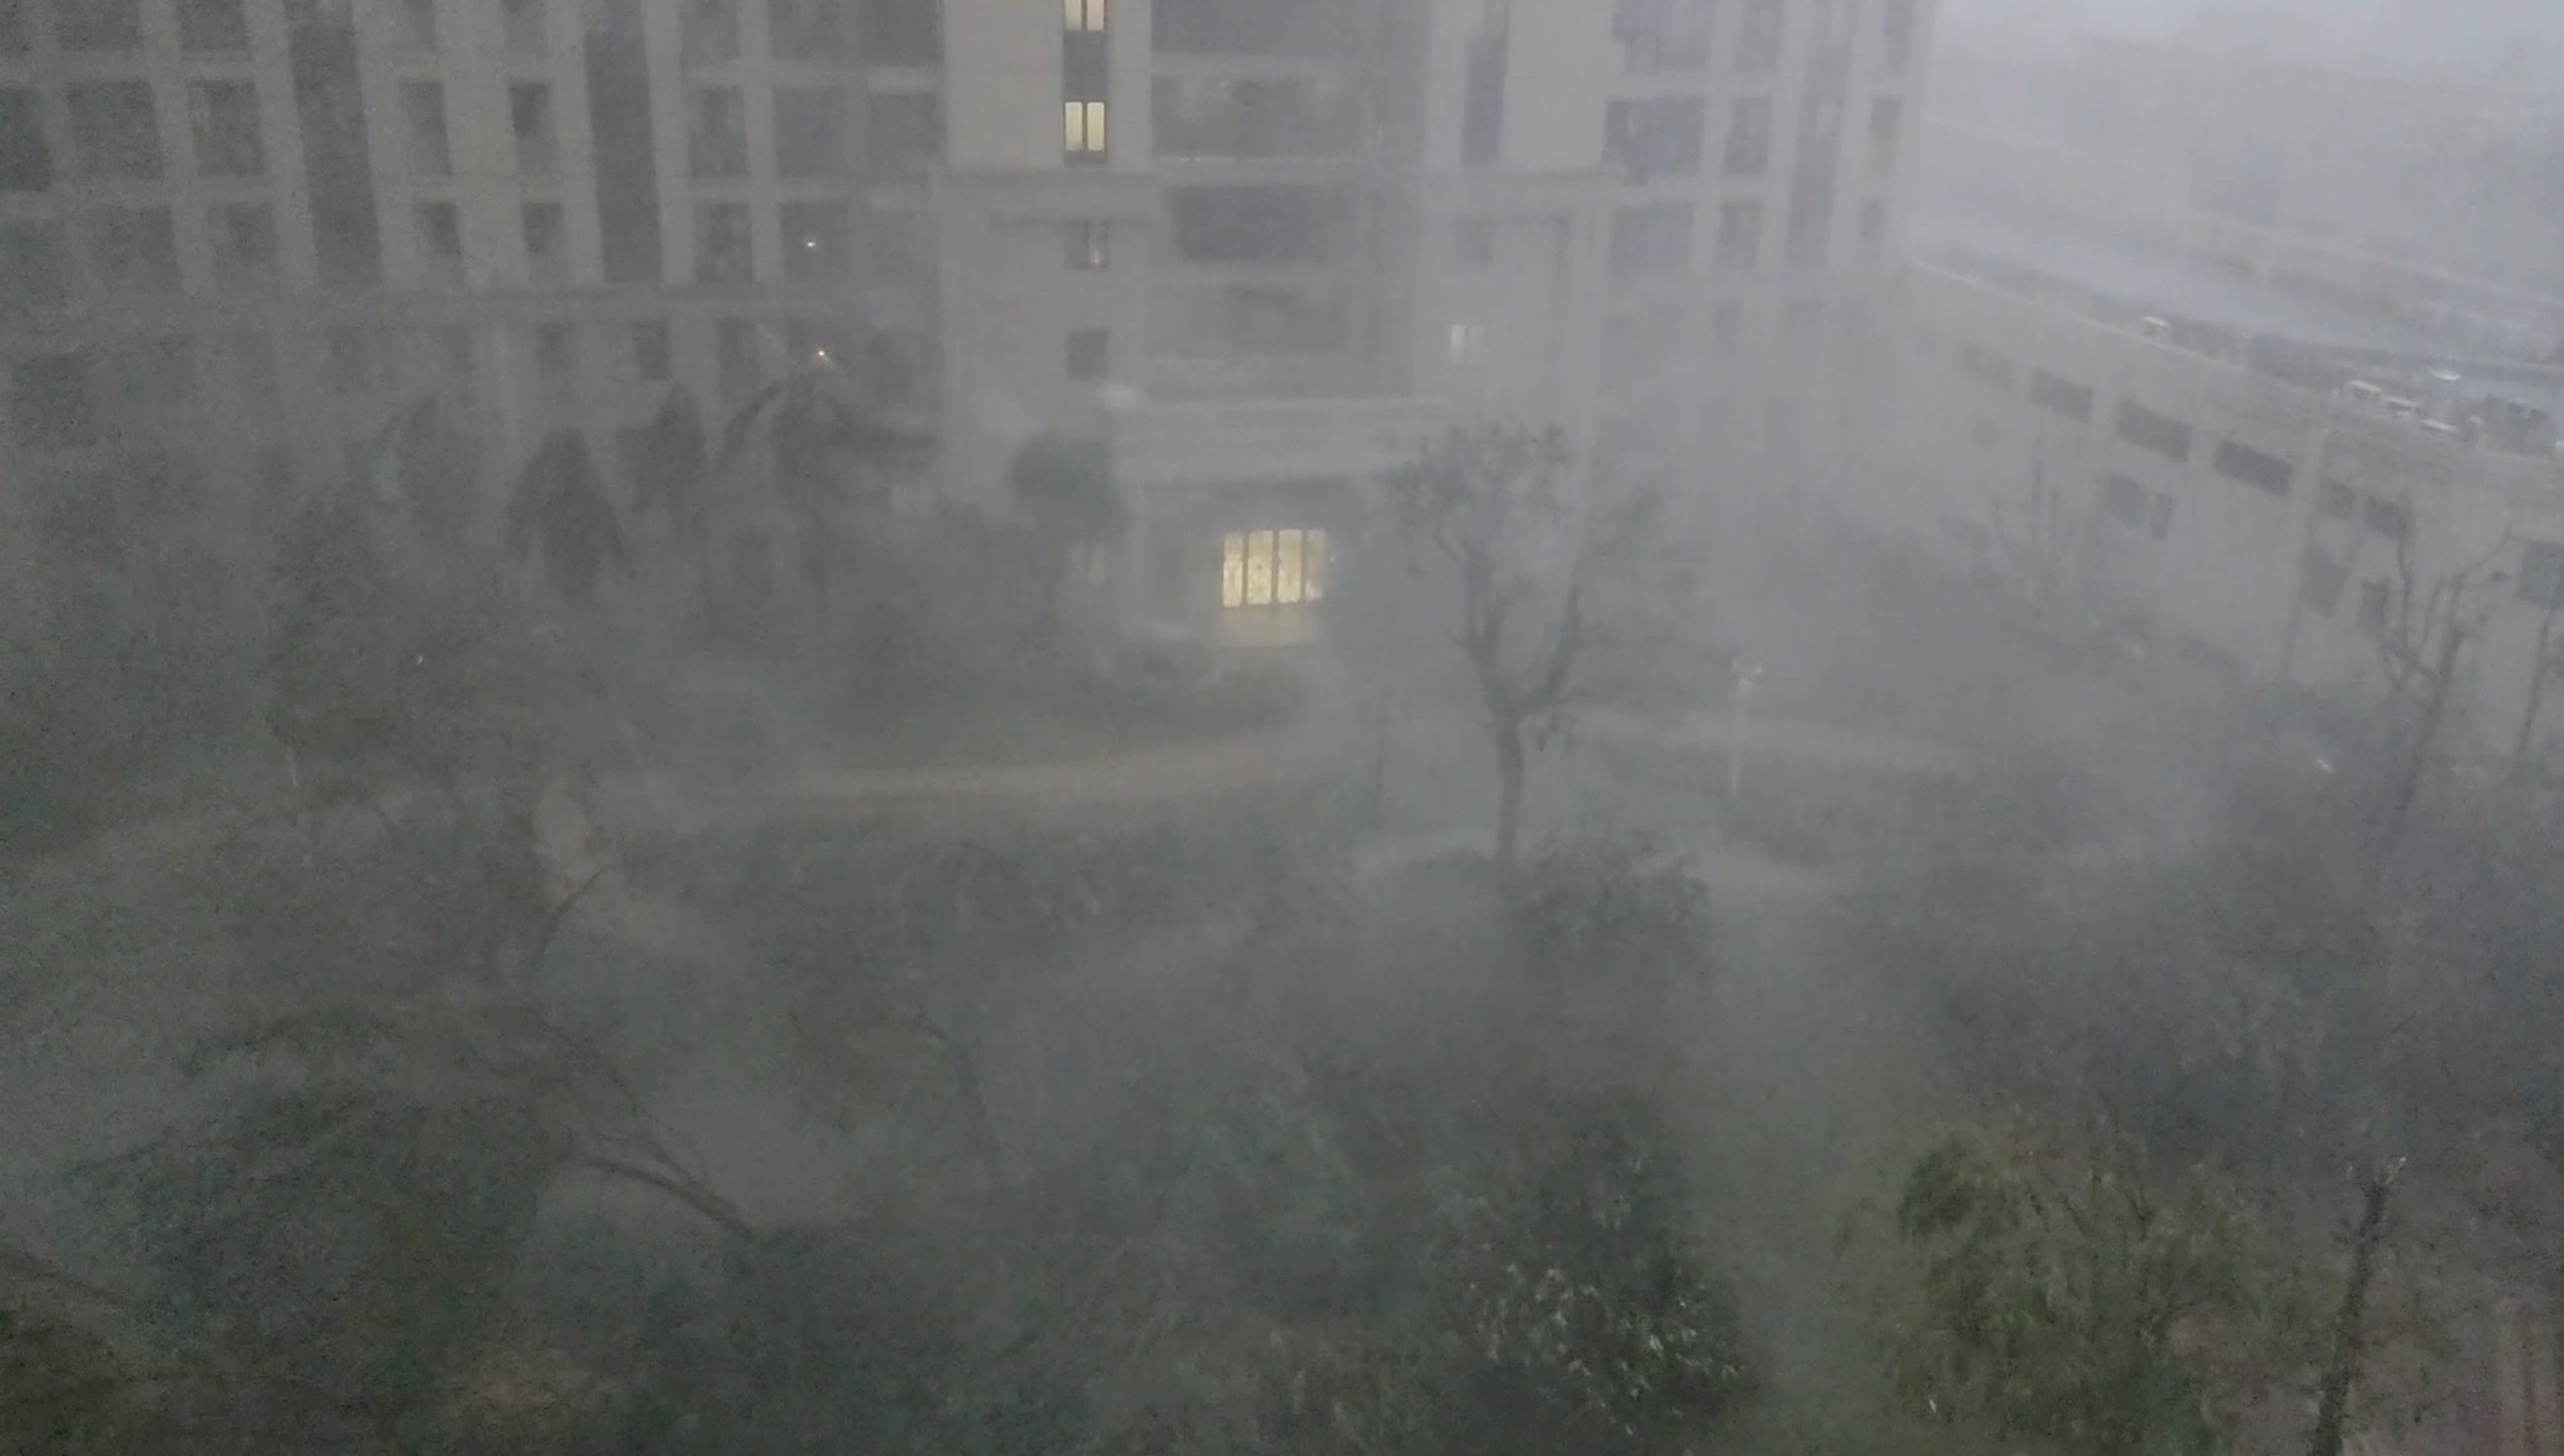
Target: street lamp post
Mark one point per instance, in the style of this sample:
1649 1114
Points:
1746 673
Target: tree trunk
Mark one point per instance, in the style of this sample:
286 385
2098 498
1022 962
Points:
2536 685
2408 786
1509 780
2347 1334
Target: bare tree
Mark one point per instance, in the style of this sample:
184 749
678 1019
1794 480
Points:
2037 539
2421 642
1490 502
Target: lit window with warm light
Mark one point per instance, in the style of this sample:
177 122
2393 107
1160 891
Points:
1086 17
1086 132
1272 569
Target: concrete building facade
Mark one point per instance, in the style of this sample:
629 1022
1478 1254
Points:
1263 246
2315 514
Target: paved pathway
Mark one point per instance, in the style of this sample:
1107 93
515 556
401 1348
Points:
1856 750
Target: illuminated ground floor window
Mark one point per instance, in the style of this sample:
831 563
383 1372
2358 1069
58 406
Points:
1272 569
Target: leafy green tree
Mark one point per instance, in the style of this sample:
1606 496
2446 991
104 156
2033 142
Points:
674 477
817 439
1065 488
559 507
2068 1295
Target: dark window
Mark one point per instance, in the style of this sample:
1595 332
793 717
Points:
1284 223
1740 234
2338 500
2321 583
1759 36
529 120
1726 330
2254 467
1662 35
522 26
707 32
25 162
149 378
809 132
114 131
50 402
213 26
1811 219
653 356
1886 133
556 349
2541 574
2391 520
724 249
329 104
1277 320
1985 365
226 119
2376 604
1873 230
815 240
440 233
1255 116
903 32
31 268
1655 138
1749 137
2058 396
1090 244
133 249
2162 434
2124 502
716 144
546 259
423 114
415 25
623 143
1090 353
1482 99
1901 35
98 25
1259 27
1473 242
905 132
1085 66
804 29
1651 239
2161 524
244 244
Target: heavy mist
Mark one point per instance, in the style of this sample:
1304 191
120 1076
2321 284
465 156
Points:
1281 726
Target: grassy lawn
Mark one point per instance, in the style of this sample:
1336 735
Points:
741 720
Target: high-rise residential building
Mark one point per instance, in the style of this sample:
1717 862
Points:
1262 246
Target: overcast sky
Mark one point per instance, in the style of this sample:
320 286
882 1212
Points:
2460 33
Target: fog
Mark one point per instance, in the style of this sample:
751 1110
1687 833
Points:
1281 726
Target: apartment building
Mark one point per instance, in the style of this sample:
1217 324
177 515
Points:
1262 245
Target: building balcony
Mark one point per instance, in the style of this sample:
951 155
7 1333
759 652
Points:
1216 442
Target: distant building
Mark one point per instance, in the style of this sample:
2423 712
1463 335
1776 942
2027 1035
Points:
2282 448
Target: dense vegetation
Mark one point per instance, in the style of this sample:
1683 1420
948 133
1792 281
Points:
532 1074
